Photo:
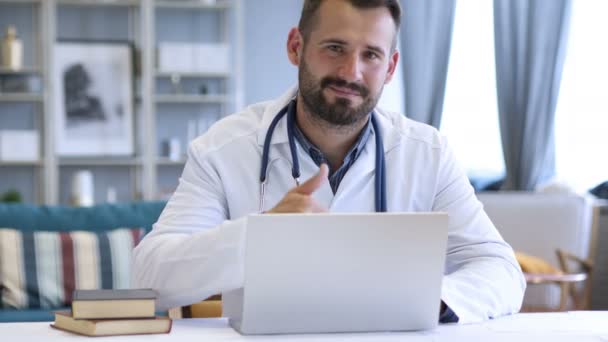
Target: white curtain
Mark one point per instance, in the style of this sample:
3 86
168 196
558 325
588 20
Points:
581 124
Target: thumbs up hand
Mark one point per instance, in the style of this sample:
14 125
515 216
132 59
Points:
299 199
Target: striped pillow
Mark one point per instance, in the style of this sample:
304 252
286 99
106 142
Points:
41 269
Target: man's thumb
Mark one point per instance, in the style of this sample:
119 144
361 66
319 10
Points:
312 184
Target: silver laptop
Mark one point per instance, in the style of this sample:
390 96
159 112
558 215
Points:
340 273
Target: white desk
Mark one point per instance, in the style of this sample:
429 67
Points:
554 327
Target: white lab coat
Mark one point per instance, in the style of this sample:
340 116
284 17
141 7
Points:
196 248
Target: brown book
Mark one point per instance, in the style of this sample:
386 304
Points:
102 304
109 327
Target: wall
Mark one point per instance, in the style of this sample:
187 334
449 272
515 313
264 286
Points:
268 72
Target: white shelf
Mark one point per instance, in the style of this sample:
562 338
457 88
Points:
21 97
22 71
164 161
20 163
193 4
127 3
19 2
194 74
99 161
169 98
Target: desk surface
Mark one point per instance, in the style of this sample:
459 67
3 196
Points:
571 326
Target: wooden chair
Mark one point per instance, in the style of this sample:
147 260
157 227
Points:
567 279
210 307
580 299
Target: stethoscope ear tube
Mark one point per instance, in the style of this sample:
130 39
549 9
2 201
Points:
291 123
380 188
267 140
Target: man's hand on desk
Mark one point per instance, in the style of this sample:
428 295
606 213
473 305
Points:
299 199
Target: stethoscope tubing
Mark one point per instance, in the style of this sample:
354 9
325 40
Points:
379 181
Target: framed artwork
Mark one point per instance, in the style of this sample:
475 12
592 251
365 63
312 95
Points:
93 98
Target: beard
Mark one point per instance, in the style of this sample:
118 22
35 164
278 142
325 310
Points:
340 113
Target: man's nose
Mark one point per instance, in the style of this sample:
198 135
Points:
350 70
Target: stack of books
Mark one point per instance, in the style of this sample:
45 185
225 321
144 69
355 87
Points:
112 312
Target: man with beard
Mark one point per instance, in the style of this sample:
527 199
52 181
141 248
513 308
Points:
345 53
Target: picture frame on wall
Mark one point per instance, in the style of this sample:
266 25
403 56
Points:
93 98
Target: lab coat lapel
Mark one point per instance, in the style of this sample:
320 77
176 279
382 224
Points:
356 183
356 190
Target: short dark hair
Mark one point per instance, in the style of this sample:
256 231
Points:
311 7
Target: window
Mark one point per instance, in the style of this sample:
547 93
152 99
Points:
470 112
581 122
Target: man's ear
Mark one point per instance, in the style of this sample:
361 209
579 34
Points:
392 65
294 46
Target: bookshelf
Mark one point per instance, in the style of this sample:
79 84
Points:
166 105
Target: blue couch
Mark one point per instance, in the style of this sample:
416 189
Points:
31 218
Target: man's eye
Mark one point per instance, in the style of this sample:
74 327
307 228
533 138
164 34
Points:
371 55
335 48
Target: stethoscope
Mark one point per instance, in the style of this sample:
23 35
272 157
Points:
290 110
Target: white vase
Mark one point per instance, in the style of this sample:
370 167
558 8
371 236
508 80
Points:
175 149
82 189
12 50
